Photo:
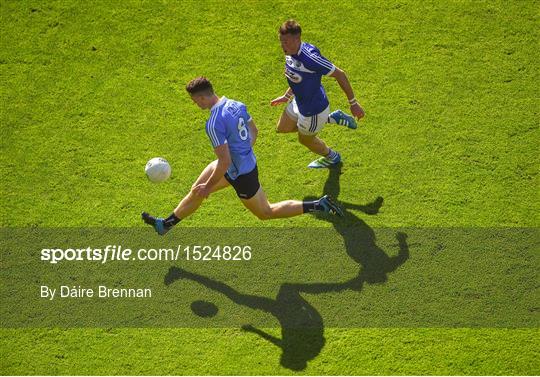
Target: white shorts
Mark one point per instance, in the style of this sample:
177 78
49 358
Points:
307 125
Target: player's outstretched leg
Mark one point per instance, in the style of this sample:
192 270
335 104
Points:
343 119
189 204
264 210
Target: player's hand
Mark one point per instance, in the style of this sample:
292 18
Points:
357 111
202 190
279 100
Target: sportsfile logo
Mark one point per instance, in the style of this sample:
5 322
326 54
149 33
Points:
120 253
109 253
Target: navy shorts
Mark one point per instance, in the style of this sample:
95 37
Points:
245 185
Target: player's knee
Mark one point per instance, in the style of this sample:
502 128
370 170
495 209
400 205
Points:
192 194
192 191
305 140
265 214
280 129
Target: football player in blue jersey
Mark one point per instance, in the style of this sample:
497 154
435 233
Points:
309 109
232 132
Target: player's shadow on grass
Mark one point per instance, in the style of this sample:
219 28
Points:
302 331
299 344
360 242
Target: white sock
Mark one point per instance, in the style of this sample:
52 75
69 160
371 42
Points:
331 154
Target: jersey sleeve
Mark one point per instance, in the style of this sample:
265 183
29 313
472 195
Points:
246 114
215 129
318 63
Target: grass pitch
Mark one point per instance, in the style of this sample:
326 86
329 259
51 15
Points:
92 90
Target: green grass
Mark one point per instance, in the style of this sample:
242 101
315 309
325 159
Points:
91 90
351 351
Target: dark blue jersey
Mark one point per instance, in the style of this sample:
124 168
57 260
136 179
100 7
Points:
304 71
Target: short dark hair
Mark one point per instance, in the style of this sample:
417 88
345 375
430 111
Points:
290 27
200 85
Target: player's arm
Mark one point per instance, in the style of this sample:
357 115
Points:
345 85
283 99
253 131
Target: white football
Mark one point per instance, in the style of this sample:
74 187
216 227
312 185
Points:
157 170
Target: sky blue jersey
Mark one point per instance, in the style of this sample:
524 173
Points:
304 71
228 124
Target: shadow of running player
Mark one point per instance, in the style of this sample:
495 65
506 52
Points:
360 243
301 325
300 345
361 246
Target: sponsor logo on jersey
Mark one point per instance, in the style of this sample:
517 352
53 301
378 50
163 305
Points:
296 65
293 76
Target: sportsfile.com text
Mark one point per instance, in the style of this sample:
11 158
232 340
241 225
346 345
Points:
120 253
